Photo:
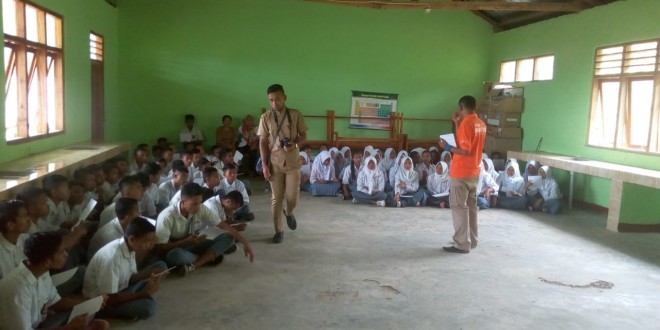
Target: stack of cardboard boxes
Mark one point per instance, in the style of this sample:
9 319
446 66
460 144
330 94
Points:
501 108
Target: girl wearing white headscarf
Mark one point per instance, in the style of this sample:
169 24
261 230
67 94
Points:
323 180
406 186
531 169
435 155
350 176
550 195
446 157
512 188
489 167
339 164
388 160
368 151
305 171
395 168
348 155
487 190
370 184
424 168
438 186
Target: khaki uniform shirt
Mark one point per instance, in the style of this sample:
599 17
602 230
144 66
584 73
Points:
268 128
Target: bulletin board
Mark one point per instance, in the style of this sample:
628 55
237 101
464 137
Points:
371 110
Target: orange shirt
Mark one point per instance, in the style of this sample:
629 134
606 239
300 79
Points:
470 136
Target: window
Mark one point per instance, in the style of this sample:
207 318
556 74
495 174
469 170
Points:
626 91
33 54
527 69
96 47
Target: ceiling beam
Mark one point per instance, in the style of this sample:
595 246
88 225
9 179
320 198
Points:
573 6
496 25
524 18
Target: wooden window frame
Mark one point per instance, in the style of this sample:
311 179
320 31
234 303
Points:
517 63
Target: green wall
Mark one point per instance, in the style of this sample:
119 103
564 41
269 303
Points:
213 58
558 110
80 17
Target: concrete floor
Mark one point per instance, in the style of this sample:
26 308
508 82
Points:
360 267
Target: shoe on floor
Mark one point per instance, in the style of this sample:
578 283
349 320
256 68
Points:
218 260
354 201
291 221
231 249
398 203
278 238
453 249
380 203
183 270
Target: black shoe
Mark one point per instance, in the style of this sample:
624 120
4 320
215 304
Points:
453 249
291 221
232 249
278 238
218 260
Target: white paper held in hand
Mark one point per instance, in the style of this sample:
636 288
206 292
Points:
238 156
89 307
441 194
449 138
86 211
536 180
211 232
62 277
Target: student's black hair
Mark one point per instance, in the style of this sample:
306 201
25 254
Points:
187 153
155 148
80 173
144 179
53 181
180 169
307 146
426 152
161 139
9 212
40 247
161 160
29 195
275 88
127 181
225 117
167 149
229 167
119 160
234 196
143 146
224 152
151 168
95 167
208 171
189 117
124 206
191 189
178 163
75 183
138 228
136 150
202 161
468 102
215 146
196 151
108 167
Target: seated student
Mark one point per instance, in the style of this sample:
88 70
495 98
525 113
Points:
76 197
162 142
308 150
156 153
446 157
126 209
531 169
99 175
394 169
322 179
489 167
214 157
438 183
201 165
368 152
140 159
92 191
435 155
168 157
154 171
388 160
122 167
36 203
487 190
113 272
226 135
323 147
35 303
370 184
170 188
111 185
416 157
424 168
187 159
348 155
339 164
549 199
146 204
512 189
305 171
406 186
56 188
211 184
130 187
224 206
190 133
227 157
229 183
350 176
177 229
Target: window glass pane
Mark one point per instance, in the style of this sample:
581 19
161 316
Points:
604 116
33 97
9 17
525 70
51 89
641 98
508 71
51 31
643 46
544 67
11 102
31 31
611 50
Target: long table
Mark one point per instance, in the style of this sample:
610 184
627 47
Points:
618 174
61 161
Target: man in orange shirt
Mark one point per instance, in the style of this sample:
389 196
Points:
464 173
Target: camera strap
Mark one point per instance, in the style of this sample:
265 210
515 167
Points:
279 126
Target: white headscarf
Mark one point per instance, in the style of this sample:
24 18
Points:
442 157
418 150
368 149
437 183
386 163
371 175
305 169
533 163
405 175
324 171
548 178
433 148
335 150
398 160
491 168
516 178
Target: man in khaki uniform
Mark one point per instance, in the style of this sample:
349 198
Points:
281 130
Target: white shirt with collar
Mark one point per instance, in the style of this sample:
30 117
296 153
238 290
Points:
188 135
167 191
104 235
110 269
11 256
346 174
146 205
24 298
215 206
237 185
171 225
133 168
42 226
154 193
109 191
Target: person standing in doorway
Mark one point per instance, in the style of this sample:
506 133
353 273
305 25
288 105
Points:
464 174
280 132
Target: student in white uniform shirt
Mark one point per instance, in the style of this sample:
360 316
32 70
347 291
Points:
190 133
140 160
201 165
130 187
323 180
487 190
512 189
147 205
179 241
14 225
113 272
126 209
229 183
349 177
154 171
388 160
111 185
170 188
549 199
56 188
438 184
394 169
29 299
406 186
305 170
224 207
370 186
424 168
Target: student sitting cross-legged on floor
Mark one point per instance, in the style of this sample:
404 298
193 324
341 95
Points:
305 170
438 184
550 195
223 206
512 190
406 186
350 175
126 210
487 189
29 299
179 241
322 179
370 188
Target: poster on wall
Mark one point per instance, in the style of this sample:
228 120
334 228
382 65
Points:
372 110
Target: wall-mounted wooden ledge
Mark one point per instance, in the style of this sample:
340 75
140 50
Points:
61 161
615 172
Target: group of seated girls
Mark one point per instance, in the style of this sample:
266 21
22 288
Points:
421 178
119 251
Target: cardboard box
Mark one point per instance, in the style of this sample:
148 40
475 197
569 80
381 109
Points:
501 145
505 132
502 90
500 104
503 119
483 116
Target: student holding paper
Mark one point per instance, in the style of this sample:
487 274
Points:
177 229
29 299
406 186
550 195
223 206
438 186
512 189
113 271
126 209
370 184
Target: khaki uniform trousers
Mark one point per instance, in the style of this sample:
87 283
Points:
463 202
284 183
